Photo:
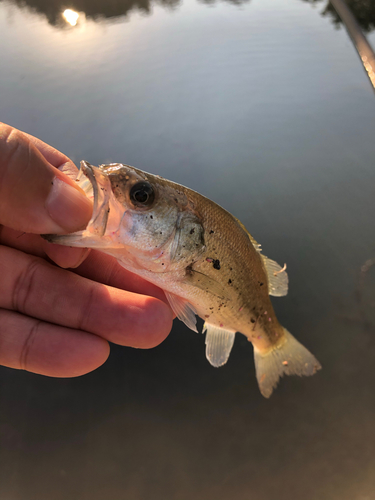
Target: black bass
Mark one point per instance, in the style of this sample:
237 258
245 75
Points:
201 256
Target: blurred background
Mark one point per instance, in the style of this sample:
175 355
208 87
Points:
264 107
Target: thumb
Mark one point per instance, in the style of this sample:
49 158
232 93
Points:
36 197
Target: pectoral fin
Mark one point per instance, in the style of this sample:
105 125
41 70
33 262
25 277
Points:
219 343
204 282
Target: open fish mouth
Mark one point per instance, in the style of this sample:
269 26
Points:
96 186
101 190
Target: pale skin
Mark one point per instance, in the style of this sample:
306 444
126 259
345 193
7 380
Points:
59 306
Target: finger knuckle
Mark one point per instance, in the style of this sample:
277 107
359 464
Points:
25 285
85 312
12 145
28 344
10 141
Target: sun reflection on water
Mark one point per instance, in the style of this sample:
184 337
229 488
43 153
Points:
70 16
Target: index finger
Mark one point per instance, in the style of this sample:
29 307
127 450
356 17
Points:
35 196
55 157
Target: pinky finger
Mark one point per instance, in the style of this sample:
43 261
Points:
39 347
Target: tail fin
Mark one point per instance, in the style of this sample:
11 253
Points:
288 358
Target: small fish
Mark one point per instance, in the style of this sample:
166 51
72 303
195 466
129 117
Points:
201 256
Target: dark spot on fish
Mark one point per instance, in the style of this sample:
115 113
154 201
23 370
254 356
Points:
175 199
189 270
192 231
151 217
252 320
230 269
162 263
216 264
260 284
212 232
229 282
161 232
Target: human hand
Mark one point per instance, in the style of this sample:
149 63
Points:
55 321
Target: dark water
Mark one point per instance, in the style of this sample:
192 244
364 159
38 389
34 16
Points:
264 107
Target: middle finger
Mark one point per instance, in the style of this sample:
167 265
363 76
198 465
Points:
36 288
98 266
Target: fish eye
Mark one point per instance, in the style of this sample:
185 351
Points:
142 194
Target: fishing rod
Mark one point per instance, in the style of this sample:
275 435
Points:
364 49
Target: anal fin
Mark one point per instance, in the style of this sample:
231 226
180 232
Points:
183 310
219 343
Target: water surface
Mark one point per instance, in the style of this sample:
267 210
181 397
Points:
264 107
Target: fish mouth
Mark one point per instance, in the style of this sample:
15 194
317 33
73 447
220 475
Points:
96 186
101 191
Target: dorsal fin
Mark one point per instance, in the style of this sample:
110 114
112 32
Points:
277 277
256 245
